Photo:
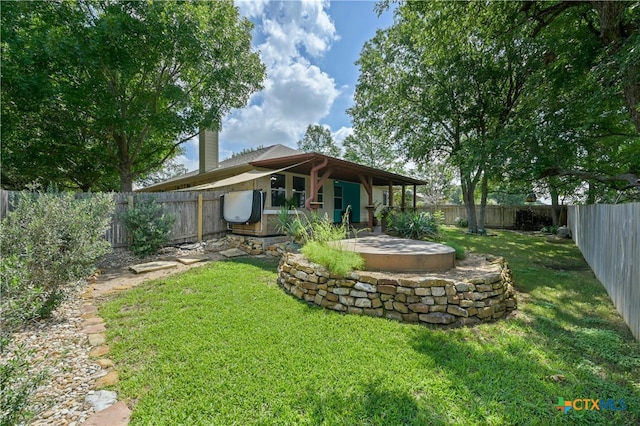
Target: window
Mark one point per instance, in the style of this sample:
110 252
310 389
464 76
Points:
385 197
337 197
320 195
278 192
299 191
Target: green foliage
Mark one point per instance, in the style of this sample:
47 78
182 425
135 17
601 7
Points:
338 261
16 384
462 222
48 242
321 239
106 92
148 226
414 225
318 139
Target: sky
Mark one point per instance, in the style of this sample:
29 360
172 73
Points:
309 48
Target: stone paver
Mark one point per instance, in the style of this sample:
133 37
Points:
116 415
152 266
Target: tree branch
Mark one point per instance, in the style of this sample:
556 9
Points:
632 179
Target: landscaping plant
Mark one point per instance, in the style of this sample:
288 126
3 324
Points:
48 242
414 225
148 226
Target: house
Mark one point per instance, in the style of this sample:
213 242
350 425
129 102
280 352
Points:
289 178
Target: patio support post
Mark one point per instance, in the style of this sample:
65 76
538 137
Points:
404 198
315 185
368 186
415 197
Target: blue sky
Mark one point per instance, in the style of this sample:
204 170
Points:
309 49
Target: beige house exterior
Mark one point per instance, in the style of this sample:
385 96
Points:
299 181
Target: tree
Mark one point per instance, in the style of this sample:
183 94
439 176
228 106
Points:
617 26
373 149
118 85
170 170
318 139
445 81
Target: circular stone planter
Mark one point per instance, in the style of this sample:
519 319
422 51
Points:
387 253
478 289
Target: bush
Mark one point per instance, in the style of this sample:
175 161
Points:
148 226
47 242
317 233
462 222
414 225
16 385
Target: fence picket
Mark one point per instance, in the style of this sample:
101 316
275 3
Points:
609 238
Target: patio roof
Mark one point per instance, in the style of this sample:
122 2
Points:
340 169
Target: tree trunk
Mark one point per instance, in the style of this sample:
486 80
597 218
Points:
126 179
484 187
468 186
555 205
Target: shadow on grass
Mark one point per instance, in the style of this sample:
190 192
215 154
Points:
370 404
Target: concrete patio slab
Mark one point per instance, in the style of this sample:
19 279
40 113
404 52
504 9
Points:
387 253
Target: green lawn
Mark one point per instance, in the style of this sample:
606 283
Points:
223 344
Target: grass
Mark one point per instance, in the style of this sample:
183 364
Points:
336 260
224 345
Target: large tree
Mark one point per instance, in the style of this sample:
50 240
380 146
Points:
318 139
97 89
445 81
374 149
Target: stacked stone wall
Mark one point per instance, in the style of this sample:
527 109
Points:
428 299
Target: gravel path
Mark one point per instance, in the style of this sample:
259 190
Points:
57 348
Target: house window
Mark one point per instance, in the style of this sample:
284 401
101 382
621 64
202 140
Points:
320 195
337 197
299 191
278 192
385 197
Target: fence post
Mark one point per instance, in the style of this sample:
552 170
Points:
200 221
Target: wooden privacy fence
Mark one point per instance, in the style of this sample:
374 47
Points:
609 238
496 216
197 214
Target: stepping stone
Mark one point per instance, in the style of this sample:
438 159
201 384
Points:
234 252
152 266
101 399
89 309
105 363
97 339
93 329
192 259
110 379
99 351
92 321
116 415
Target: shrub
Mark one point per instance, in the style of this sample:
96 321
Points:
462 222
148 226
317 233
47 242
414 225
16 384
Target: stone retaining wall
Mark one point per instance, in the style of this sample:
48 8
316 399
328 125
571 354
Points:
432 299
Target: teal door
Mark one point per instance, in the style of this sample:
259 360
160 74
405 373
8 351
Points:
346 194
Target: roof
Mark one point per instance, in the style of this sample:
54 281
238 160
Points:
341 169
278 157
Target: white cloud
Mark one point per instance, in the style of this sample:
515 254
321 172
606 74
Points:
340 135
296 93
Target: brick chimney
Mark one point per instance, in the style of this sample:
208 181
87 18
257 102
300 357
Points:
208 153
